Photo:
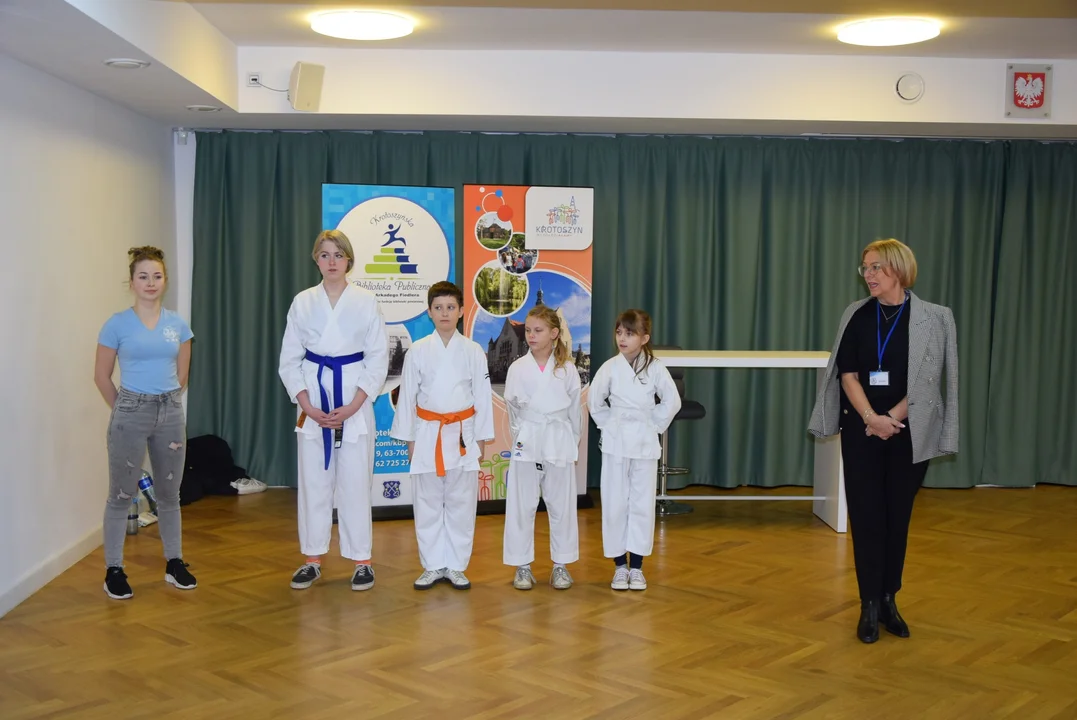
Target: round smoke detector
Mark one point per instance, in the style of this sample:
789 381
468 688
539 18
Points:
909 87
126 63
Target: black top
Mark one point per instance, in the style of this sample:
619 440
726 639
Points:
858 352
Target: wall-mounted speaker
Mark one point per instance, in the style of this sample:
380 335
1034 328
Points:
305 86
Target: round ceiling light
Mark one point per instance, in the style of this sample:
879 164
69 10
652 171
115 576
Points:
126 63
362 24
203 108
885 32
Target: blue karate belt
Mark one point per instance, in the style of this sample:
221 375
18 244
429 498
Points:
336 365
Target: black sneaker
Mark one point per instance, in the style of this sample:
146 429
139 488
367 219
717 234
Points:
305 576
176 574
116 585
363 579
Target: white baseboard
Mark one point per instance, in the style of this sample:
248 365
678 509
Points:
48 570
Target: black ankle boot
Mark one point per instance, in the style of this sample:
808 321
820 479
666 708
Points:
867 630
891 618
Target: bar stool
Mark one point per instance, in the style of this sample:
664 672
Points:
690 410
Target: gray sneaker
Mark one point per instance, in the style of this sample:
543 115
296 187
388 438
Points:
560 579
458 579
620 578
428 579
524 580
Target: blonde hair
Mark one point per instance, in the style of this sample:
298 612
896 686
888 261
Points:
337 238
553 318
146 252
637 322
897 255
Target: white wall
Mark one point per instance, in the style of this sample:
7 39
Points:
687 86
81 181
181 269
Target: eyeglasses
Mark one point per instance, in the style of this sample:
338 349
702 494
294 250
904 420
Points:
872 269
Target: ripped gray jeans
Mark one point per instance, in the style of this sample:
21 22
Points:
137 421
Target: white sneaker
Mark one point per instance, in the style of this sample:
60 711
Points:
246 486
428 579
524 580
636 581
620 578
560 579
458 579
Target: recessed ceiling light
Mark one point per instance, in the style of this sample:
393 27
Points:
203 108
362 24
126 63
885 32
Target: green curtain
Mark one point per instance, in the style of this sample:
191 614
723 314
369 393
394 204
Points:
730 243
1031 435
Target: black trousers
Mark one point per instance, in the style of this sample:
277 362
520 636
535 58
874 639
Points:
881 482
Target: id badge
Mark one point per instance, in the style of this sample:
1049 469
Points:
880 378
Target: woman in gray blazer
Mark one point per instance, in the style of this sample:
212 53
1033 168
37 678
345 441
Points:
884 392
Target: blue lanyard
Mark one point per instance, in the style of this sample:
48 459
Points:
881 344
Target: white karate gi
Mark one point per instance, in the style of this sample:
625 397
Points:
630 426
354 325
545 420
445 379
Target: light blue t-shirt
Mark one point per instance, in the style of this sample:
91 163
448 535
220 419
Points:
147 357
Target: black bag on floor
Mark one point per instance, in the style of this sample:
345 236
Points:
209 470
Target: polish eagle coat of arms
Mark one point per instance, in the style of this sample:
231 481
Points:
1028 90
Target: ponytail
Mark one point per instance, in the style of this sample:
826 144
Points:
562 349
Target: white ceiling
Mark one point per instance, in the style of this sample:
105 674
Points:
953 8
472 28
57 39
53 37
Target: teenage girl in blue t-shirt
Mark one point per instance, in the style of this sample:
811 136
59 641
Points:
153 346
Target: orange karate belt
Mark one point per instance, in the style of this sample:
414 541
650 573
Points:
445 419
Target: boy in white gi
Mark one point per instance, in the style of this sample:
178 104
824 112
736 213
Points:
333 362
542 392
623 405
445 414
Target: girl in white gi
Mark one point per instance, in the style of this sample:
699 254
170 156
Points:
153 346
624 406
333 362
445 414
542 392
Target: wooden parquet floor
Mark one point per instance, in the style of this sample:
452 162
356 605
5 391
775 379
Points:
750 613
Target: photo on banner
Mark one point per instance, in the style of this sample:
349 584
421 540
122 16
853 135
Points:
404 242
525 246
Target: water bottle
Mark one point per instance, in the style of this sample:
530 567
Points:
146 486
132 517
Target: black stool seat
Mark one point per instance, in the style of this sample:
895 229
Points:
690 410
